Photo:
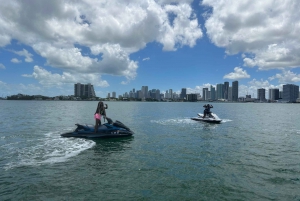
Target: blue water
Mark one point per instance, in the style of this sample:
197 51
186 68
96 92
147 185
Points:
252 155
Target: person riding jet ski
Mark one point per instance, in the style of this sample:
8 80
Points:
207 110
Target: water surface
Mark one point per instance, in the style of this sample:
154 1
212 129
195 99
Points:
252 155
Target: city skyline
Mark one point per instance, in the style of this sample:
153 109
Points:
159 43
290 93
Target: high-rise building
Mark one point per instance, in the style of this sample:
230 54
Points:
108 95
171 93
84 90
230 93
220 91
290 92
204 94
144 91
191 97
212 93
114 95
261 94
273 94
167 95
157 97
183 93
235 90
226 88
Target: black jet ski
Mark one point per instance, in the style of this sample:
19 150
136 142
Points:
210 118
108 130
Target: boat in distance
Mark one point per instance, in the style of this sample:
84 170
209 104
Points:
108 130
211 118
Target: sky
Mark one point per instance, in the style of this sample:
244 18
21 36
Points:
117 45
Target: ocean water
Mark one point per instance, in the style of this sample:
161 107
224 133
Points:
252 155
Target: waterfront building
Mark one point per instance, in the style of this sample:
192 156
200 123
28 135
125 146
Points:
183 93
108 95
230 94
261 94
235 90
139 94
204 94
290 92
167 95
114 95
273 94
145 91
84 90
171 93
220 91
192 97
212 93
157 97
226 88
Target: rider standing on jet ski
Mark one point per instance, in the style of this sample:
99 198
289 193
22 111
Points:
99 112
206 110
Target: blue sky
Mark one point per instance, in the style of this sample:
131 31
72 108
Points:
47 46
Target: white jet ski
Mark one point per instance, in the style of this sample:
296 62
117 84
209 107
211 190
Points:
210 118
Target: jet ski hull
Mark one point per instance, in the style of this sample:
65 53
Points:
212 119
209 120
107 130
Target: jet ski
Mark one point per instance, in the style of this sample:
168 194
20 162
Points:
210 118
108 130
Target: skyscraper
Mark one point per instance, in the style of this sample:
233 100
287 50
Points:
84 90
273 94
290 92
261 94
204 94
212 93
171 93
183 93
230 93
114 95
220 91
144 91
226 88
235 90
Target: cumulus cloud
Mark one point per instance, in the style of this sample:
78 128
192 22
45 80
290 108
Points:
25 53
15 60
110 30
145 59
48 79
2 66
267 31
253 85
238 74
286 77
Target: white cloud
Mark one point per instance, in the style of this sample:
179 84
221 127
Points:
15 60
267 31
112 30
26 54
146 59
238 74
286 77
2 66
48 79
253 85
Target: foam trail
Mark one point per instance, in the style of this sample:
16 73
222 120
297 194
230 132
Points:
185 120
50 149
